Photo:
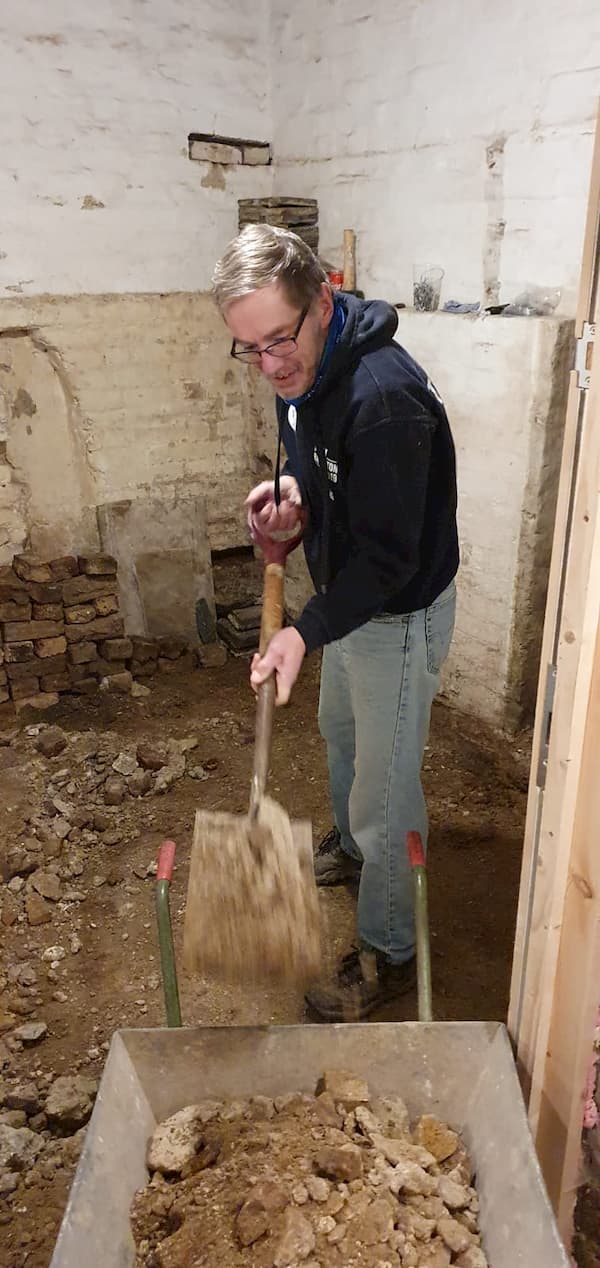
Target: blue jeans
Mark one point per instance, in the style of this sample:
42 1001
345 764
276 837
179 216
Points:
377 688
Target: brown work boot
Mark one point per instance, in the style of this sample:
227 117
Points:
364 981
332 865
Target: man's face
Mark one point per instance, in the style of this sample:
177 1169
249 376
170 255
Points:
267 315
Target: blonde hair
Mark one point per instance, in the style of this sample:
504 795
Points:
260 255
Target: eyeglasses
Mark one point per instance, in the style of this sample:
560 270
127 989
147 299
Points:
279 347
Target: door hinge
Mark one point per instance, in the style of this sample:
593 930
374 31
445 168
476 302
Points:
542 769
583 354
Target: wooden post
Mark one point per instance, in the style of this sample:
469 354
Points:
553 1003
349 283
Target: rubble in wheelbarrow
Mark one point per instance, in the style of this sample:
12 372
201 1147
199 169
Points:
338 1179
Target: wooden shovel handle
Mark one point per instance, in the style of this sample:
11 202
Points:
272 607
271 623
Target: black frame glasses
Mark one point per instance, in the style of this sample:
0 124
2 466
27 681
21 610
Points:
279 348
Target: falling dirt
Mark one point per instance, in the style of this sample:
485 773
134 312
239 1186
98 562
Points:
108 975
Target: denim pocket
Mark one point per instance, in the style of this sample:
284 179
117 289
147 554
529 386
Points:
439 628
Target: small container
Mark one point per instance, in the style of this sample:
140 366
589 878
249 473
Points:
427 287
336 279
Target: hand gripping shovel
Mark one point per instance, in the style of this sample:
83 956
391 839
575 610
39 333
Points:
252 907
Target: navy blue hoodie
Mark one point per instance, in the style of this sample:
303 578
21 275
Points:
372 451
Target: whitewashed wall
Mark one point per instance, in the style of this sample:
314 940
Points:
455 132
96 103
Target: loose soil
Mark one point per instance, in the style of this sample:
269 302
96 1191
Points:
109 977
307 1178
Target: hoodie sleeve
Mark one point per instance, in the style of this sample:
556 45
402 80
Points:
387 489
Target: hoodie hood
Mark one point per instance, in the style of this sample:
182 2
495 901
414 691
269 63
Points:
369 324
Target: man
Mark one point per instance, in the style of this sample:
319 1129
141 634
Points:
371 459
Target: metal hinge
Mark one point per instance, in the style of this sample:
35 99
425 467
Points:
583 354
546 726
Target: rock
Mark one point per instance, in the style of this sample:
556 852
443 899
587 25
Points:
341 1162
472 1258
456 1237
114 790
267 1199
139 691
51 741
175 1142
171 647
250 1223
326 1112
455 1196
113 837
297 1239
152 755
125 764
24 1096
318 1188
121 682
101 820
76 944
345 1088
53 955
212 655
392 1114
19 1147
22 860
38 1123
140 783
300 1194
13 1118
47 885
399 1150
31 1032
9 1181
436 1137
70 1102
38 910
11 910
197 772
376 1224
435 1255
411 1178
97 565
169 775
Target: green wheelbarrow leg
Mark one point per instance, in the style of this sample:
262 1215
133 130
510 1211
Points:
416 856
164 875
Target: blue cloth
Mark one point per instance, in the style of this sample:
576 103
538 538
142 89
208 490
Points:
336 326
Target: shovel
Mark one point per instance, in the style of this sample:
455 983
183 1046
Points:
252 909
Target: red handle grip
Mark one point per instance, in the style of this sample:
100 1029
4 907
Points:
416 853
166 860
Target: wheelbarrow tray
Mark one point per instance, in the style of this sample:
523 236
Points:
462 1071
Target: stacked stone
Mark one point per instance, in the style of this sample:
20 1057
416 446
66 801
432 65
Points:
61 630
60 627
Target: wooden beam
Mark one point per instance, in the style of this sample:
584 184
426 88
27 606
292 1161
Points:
544 869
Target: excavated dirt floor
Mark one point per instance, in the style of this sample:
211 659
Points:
100 915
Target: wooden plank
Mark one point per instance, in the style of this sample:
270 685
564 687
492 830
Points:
544 871
560 1067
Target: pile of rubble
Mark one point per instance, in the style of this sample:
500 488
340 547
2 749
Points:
60 630
338 1178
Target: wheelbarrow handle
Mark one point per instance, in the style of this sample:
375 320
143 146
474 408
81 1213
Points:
416 856
164 875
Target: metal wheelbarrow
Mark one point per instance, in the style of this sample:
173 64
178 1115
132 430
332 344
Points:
461 1071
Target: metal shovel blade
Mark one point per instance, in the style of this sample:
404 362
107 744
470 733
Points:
252 907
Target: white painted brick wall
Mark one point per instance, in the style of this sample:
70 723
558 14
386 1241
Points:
385 112
97 99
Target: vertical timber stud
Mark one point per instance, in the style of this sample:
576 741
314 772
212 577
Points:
548 1014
